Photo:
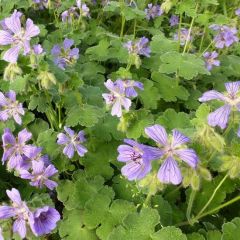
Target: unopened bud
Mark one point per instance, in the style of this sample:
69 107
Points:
46 79
11 72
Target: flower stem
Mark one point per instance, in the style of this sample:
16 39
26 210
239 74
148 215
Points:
190 204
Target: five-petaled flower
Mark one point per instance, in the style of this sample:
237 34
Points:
10 107
72 142
117 97
172 148
231 100
210 59
16 36
153 11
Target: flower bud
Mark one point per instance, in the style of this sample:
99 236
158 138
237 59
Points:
11 72
46 79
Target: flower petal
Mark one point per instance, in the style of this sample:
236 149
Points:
169 172
157 133
11 55
31 29
232 88
19 226
69 150
13 23
117 108
220 117
5 38
188 155
24 136
178 138
211 95
14 195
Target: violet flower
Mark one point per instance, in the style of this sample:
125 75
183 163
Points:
16 149
231 100
19 211
116 98
10 107
64 56
172 148
16 36
37 49
182 36
153 11
84 10
44 220
210 59
174 20
139 47
40 175
70 14
41 4
138 159
225 37
72 142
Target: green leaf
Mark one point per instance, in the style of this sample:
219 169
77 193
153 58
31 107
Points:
72 227
39 102
136 226
169 88
99 52
19 84
187 66
195 236
231 229
85 115
169 233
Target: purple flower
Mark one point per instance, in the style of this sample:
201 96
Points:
64 56
139 48
19 211
37 49
182 36
44 220
153 11
129 87
16 36
174 20
210 59
84 10
225 37
40 175
231 102
237 12
69 15
15 149
137 158
10 108
41 4
172 148
116 98
72 142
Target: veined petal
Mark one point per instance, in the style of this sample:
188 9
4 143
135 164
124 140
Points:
69 131
232 88
117 108
126 103
11 55
38 167
211 95
178 138
14 195
81 150
31 29
169 172
157 133
50 171
152 153
5 38
62 139
19 226
13 23
69 150
220 117
7 212
24 136
125 153
188 155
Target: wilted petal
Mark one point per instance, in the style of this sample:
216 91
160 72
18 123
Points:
220 117
188 155
11 55
178 138
157 133
211 95
169 172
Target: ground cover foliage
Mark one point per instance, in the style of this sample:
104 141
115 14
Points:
120 120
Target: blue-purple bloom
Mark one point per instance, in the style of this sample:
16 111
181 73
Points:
70 14
72 142
16 150
19 211
210 59
37 49
183 36
237 12
225 36
174 20
153 11
41 4
40 175
16 36
139 47
84 10
64 56
138 159
10 107
172 148
231 100
129 86
117 97
44 220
